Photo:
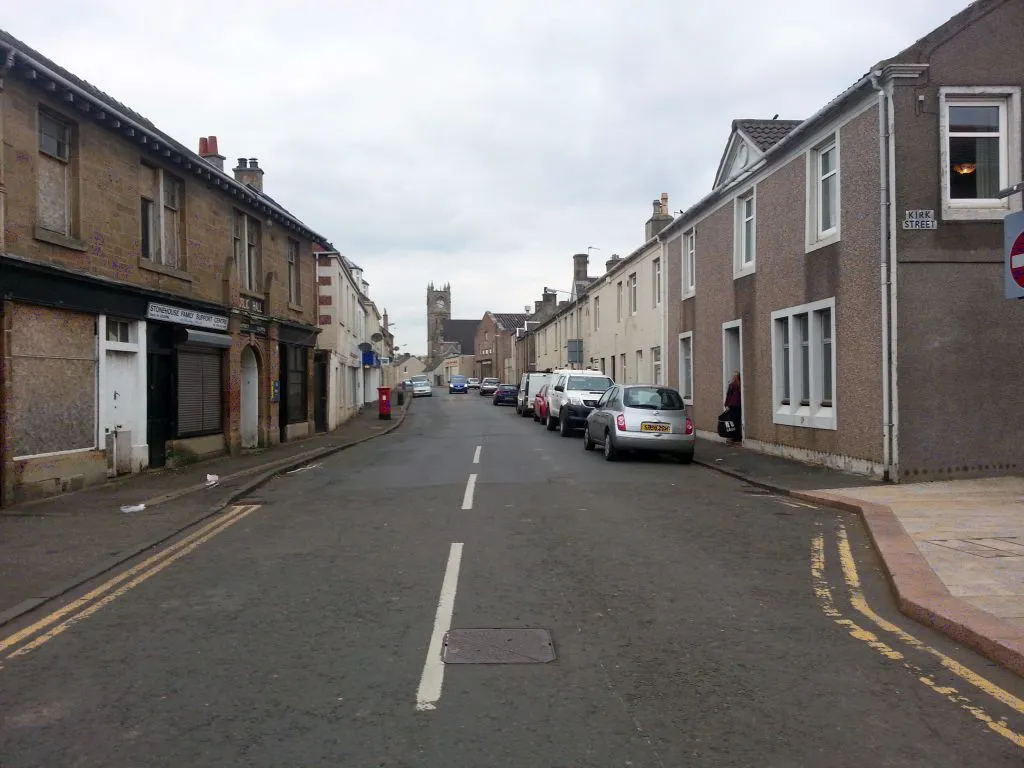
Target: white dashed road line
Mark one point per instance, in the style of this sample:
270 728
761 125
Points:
467 499
476 455
432 678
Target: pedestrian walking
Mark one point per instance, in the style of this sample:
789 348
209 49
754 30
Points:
734 407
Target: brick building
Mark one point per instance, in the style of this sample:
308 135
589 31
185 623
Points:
494 345
154 308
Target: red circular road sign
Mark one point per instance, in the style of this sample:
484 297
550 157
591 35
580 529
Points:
1017 260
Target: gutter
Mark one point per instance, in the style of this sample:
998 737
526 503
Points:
796 134
887 250
221 179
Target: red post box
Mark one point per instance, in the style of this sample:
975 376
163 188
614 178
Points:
384 402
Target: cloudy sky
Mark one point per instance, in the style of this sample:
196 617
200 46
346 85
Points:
476 143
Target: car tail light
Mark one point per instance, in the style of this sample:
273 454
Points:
620 422
689 426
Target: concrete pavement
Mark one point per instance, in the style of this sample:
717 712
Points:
51 546
953 551
697 620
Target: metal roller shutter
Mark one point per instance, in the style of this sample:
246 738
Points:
199 392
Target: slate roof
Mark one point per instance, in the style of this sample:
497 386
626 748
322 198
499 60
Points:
10 43
461 331
766 133
509 321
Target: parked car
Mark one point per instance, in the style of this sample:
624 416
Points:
488 386
640 417
421 386
528 387
506 394
540 405
573 397
474 383
458 384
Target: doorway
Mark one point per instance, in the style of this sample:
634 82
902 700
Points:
320 392
732 360
250 399
161 405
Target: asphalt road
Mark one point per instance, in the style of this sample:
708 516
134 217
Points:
696 622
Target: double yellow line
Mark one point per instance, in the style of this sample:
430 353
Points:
823 592
62 619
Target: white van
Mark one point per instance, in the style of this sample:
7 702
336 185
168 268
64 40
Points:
528 388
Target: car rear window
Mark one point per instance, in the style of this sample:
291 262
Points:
419 378
653 398
490 381
589 383
459 379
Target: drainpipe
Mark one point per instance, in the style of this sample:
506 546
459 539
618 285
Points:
887 245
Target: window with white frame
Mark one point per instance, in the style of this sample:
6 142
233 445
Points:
639 365
247 250
631 283
980 129
55 175
656 364
804 365
823 194
656 281
597 313
686 366
618 301
690 263
746 234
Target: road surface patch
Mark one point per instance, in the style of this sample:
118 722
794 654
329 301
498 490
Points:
498 646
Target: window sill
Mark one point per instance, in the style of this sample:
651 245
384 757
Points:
251 294
823 242
806 417
744 271
689 294
151 266
54 238
120 346
993 212
293 306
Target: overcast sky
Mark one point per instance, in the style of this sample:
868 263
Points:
476 143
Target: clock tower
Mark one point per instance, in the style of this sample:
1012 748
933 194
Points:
439 309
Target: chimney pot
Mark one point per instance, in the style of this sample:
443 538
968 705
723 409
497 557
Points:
241 163
253 163
204 148
213 145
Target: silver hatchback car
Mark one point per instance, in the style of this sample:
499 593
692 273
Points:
640 417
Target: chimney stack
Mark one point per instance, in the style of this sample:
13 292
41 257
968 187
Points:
580 262
610 264
249 172
549 297
208 151
660 217
536 306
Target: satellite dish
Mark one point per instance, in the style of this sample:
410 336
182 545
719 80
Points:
364 347
376 337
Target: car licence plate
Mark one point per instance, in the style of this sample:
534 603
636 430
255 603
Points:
654 426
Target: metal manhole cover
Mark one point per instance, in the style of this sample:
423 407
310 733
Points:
498 646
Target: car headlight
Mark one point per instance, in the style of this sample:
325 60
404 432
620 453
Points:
576 399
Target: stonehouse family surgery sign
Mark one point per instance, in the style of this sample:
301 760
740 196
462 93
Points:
183 316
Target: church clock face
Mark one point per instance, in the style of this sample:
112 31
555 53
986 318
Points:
439 304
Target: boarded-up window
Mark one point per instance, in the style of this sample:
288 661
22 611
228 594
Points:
54 193
53 380
199 393
162 199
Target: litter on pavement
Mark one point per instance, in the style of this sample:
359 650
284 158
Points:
212 480
128 508
302 469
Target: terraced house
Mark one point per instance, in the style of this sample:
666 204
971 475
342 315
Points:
850 266
154 308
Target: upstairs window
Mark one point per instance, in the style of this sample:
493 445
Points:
55 193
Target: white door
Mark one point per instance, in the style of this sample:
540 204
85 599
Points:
250 399
122 392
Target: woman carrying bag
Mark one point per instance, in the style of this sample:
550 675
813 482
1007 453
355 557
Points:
732 419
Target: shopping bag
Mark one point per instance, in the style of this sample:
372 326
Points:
726 426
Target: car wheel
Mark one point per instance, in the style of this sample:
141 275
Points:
610 452
563 427
685 458
551 424
588 444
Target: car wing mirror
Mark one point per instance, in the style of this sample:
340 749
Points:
559 388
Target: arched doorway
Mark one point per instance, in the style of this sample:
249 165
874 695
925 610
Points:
250 399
